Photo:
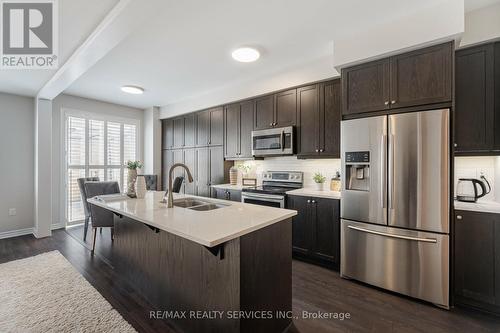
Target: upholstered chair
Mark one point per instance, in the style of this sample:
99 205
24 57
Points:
86 205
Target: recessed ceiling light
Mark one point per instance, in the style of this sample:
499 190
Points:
245 54
133 90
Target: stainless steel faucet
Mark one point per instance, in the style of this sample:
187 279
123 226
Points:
170 201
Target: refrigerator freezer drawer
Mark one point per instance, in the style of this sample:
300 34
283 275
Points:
408 262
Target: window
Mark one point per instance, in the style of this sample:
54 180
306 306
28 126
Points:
96 147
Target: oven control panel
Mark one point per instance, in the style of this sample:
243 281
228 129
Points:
283 176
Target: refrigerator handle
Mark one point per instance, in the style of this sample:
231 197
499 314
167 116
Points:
391 171
383 172
385 234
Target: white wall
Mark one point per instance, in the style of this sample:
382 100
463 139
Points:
152 142
327 167
481 25
474 166
17 141
444 21
82 104
319 69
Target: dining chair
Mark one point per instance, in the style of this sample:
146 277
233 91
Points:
86 205
151 182
101 218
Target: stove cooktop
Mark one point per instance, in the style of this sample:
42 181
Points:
277 190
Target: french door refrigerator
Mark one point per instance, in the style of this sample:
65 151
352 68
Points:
395 203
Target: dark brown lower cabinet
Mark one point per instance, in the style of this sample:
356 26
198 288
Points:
316 230
477 260
232 195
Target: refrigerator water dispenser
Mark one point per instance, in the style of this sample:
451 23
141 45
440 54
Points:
357 171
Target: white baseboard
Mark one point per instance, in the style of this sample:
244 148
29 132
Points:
15 233
57 226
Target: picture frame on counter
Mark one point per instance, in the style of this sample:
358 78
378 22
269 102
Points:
249 181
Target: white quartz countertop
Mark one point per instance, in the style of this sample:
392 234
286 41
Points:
312 192
230 187
479 206
209 228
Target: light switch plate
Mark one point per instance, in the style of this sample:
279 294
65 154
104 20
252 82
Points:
12 212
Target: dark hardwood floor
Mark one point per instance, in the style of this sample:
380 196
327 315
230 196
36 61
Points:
315 289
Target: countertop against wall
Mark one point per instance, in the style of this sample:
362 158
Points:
312 192
483 206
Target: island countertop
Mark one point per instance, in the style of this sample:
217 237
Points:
208 228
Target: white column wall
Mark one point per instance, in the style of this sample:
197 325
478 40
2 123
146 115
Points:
43 168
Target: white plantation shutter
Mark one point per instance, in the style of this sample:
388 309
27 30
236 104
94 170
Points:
96 142
129 142
114 144
96 148
76 141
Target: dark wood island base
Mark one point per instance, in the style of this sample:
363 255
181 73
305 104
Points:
245 285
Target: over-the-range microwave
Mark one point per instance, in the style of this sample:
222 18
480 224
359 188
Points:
273 141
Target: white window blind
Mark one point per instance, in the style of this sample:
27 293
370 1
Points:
96 148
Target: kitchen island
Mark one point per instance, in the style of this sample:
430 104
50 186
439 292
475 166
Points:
206 265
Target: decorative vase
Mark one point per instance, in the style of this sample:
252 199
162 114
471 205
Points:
132 176
319 186
233 175
140 187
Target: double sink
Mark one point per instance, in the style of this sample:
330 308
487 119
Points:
196 204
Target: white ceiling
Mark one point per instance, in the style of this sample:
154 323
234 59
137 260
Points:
185 51
77 19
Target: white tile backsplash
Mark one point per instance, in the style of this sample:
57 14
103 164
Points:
473 167
327 167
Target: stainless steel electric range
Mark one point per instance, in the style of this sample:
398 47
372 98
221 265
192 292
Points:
272 193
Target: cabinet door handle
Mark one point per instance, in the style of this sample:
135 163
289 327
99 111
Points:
313 201
317 150
308 201
393 102
459 217
386 103
455 145
321 150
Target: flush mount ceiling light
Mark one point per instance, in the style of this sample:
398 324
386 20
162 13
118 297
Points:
133 90
245 54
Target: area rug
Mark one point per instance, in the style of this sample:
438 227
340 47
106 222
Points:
45 293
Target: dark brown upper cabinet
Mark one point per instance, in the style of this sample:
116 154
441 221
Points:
286 108
416 78
202 128
216 137
264 112
366 87
178 140
278 110
319 120
210 127
330 116
238 130
190 130
167 134
476 120
422 77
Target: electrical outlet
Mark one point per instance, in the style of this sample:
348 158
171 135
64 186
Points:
12 212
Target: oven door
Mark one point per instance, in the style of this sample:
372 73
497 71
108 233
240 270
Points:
269 200
274 141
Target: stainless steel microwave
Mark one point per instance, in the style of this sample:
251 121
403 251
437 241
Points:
273 141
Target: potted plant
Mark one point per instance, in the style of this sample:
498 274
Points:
319 179
132 167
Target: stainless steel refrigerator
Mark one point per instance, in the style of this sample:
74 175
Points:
395 203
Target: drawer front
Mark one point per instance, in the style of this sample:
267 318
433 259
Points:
408 262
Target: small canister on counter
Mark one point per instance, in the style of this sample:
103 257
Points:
233 175
335 184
